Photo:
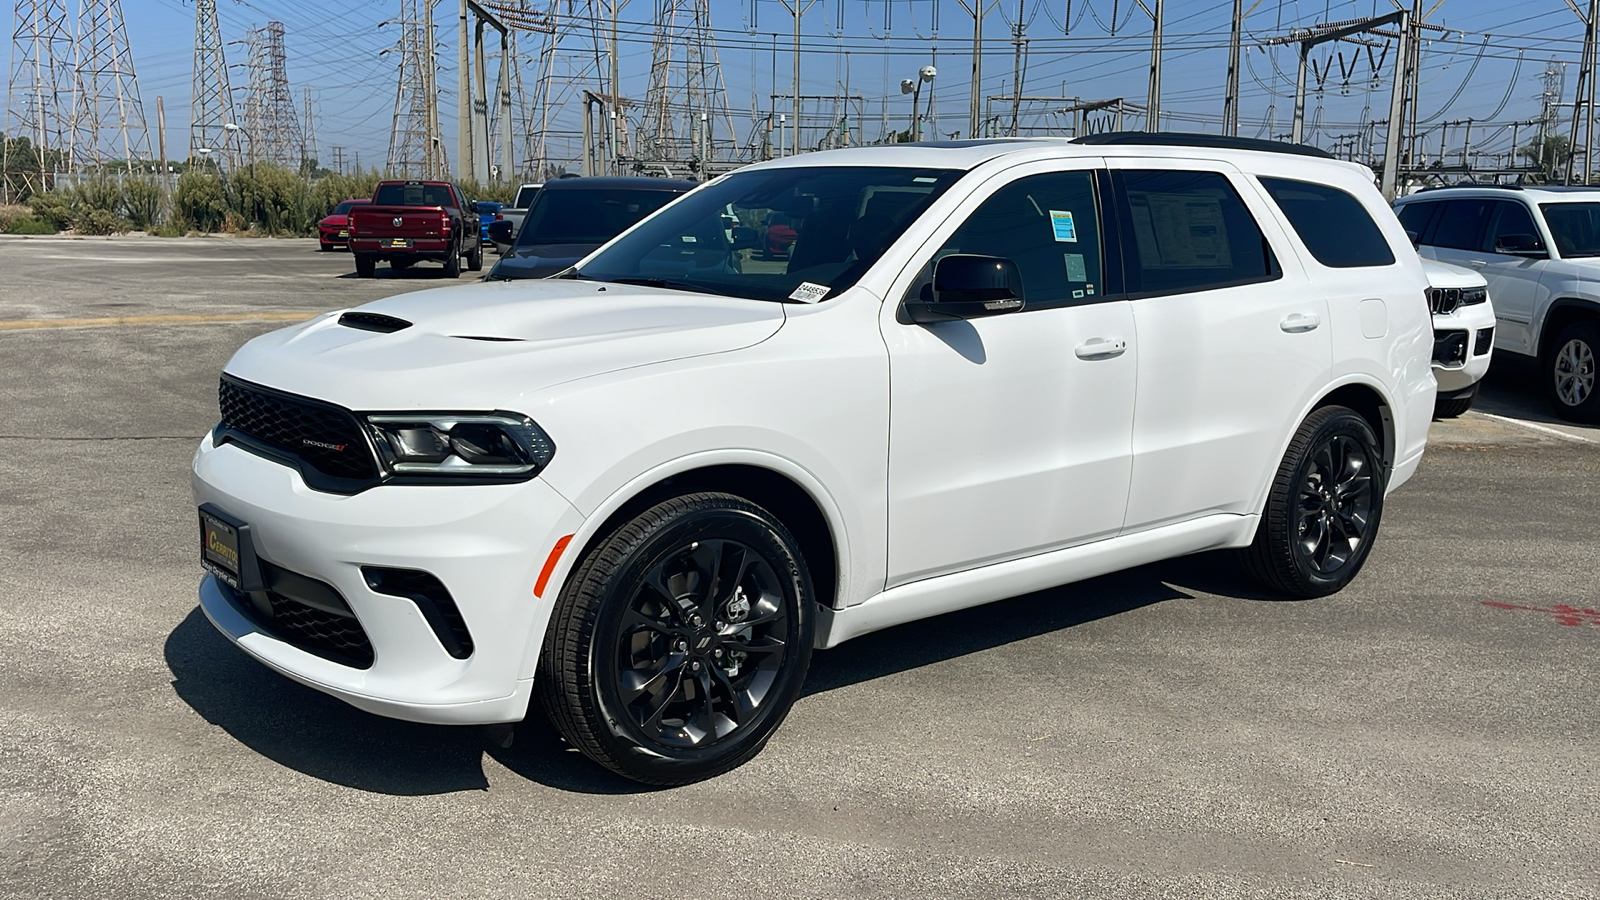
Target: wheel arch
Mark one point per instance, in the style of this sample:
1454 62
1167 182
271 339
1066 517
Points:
1562 313
786 490
1370 403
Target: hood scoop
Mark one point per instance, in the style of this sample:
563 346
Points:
484 337
367 321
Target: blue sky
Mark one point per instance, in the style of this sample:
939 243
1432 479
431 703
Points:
1471 72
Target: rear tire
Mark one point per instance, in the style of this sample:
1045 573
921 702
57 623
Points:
681 640
1323 510
1451 409
475 257
366 266
452 263
1570 372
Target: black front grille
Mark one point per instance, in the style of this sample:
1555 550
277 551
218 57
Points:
335 637
1449 347
1483 342
325 438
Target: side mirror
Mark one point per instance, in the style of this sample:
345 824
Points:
472 206
1414 238
1519 245
500 232
745 238
968 286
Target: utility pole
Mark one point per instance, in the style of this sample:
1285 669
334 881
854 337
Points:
210 96
976 10
161 138
108 117
1230 96
1016 68
41 75
798 9
1389 182
1153 104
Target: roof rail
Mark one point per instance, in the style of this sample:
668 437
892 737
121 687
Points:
1468 184
1189 139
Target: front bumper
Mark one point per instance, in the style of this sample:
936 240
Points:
1473 326
485 543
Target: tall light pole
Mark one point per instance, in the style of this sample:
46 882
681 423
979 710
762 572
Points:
234 126
913 86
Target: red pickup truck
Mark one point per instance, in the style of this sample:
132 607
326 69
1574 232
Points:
410 221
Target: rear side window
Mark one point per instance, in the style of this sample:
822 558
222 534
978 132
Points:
1414 218
1189 231
1460 226
1333 225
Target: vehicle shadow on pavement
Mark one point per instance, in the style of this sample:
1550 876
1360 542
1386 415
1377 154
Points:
316 735
311 732
414 273
929 641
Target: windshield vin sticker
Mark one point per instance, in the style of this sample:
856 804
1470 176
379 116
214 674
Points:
809 293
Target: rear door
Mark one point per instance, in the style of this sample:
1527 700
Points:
1230 349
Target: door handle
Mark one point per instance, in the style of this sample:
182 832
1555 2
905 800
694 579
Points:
1101 348
1477 263
1300 323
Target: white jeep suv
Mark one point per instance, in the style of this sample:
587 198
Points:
643 491
1463 335
1539 250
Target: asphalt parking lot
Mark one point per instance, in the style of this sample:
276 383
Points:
1430 732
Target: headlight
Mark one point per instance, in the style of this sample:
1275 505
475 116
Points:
496 445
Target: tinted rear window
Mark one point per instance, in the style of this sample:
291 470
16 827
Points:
414 195
1460 226
1191 232
587 216
1333 225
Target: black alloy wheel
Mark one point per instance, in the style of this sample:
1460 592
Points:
1323 510
1570 373
681 641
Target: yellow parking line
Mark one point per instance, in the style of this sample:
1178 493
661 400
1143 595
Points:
28 324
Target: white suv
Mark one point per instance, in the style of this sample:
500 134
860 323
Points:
644 491
1463 335
1539 250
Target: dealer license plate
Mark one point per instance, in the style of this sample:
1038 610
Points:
219 548
400 242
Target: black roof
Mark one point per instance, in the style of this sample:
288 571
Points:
620 182
1189 139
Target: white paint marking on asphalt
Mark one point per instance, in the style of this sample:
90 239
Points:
1542 429
163 259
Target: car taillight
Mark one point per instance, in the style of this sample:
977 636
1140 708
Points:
444 223
499 218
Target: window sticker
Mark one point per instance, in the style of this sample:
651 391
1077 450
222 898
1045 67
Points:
809 293
1075 267
1185 231
1077 295
690 239
1061 224
924 179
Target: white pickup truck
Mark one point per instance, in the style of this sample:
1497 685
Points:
512 215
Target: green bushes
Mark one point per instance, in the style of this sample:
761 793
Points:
260 199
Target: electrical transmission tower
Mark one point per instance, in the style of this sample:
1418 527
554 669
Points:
415 148
308 149
272 126
686 103
107 115
211 98
41 76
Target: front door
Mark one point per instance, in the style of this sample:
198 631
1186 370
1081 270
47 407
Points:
1009 435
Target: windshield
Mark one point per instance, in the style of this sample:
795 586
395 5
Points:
764 234
587 215
1575 227
343 208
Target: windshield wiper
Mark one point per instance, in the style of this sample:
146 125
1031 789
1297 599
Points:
658 283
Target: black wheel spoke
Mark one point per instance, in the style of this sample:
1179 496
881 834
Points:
654 710
764 645
647 680
634 620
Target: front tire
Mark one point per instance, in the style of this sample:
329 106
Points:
1322 513
681 640
1569 372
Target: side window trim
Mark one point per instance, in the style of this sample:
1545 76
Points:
1112 266
1129 258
